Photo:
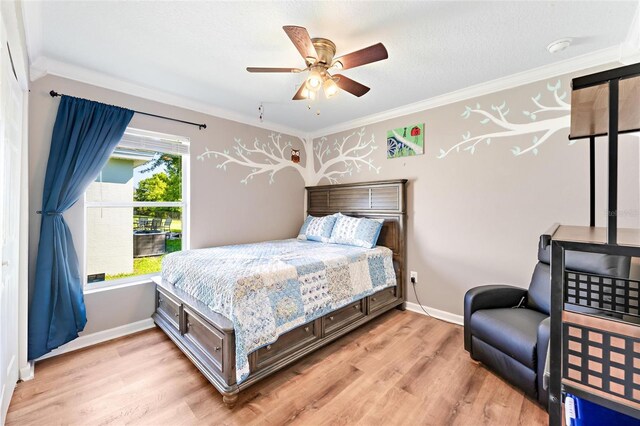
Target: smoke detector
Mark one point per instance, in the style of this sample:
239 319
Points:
559 45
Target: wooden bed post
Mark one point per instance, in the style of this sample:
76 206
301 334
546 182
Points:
230 400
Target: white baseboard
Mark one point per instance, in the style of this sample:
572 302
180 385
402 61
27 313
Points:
436 313
26 372
99 337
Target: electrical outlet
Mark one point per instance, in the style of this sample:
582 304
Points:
414 277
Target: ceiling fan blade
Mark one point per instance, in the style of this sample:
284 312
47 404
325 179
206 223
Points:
351 86
370 54
298 96
301 40
263 69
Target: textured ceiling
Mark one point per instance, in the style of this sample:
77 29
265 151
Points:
199 50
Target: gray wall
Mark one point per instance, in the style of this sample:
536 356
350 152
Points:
222 211
475 218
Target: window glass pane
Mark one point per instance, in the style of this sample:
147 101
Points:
126 242
138 175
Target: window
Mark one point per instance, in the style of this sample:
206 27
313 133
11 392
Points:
136 210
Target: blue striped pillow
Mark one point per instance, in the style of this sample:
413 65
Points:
317 228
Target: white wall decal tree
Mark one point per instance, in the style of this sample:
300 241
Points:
323 159
347 157
556 119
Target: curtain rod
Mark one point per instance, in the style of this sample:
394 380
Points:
54 94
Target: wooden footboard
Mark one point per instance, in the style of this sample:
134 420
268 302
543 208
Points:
208 338
212 348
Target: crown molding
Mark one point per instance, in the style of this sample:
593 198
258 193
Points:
43 66
47 66
628 51
578 63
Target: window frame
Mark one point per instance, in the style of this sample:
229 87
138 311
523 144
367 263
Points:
184 204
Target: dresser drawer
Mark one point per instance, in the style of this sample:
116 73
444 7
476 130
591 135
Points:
287 344
205 338
168 308
343 316
382 298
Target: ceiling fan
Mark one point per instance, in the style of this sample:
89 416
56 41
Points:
318 54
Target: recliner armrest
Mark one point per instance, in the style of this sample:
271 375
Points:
488 297
544 330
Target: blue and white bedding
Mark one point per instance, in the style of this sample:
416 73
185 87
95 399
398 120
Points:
269 288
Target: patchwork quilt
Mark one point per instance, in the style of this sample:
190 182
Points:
269 288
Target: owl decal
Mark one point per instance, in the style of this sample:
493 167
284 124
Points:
295 155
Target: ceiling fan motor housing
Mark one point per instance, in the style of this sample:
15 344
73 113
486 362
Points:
325 49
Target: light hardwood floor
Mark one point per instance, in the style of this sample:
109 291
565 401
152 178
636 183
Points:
402 368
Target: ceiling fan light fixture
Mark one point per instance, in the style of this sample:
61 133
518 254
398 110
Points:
314 81
330 88
309 94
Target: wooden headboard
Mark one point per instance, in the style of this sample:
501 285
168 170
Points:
385 199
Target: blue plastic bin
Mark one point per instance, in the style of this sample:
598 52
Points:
587 413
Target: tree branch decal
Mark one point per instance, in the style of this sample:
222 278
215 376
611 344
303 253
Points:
267 158
323 160
540 129
349 156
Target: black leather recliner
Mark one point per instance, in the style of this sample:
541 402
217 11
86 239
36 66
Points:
507 328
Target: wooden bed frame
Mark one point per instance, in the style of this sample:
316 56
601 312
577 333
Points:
208 338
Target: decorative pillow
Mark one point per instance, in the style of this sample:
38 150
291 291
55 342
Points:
356 231
317 228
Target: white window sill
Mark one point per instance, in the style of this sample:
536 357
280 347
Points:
119 284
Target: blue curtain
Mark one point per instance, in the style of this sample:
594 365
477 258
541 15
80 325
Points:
84 136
